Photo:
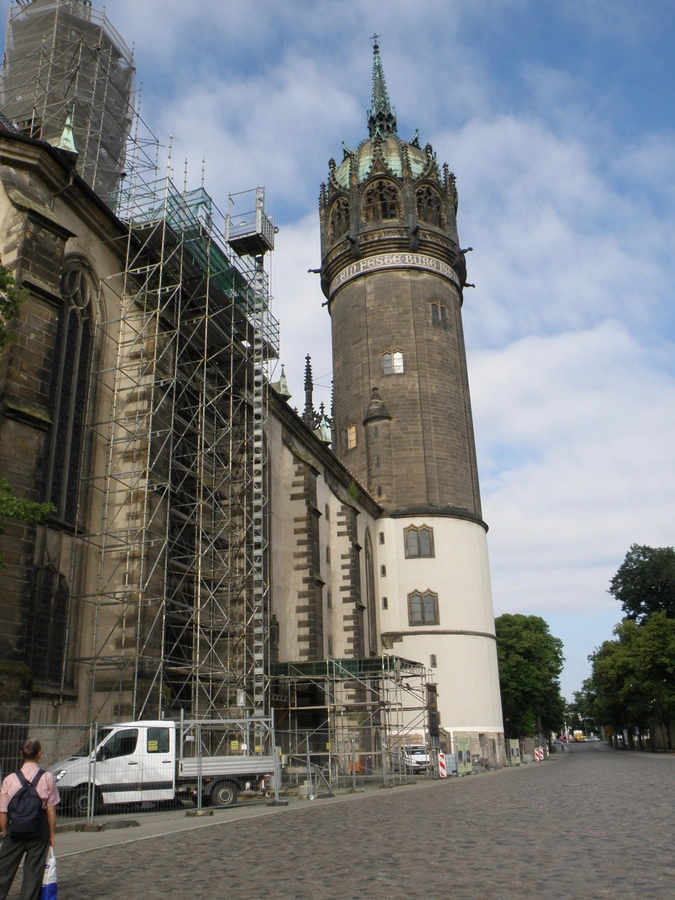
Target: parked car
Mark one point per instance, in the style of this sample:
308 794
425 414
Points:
417 758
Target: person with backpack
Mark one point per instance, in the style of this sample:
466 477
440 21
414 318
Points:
28 801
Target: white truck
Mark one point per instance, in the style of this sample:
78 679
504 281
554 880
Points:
137 762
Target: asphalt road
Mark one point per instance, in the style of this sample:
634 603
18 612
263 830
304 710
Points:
588 823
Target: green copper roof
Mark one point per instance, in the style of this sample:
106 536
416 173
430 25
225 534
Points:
392 152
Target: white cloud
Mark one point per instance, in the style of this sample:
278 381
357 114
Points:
574 434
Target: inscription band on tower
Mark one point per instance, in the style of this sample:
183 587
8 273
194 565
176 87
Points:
392 261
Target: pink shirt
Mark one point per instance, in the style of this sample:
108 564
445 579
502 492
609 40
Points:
46 788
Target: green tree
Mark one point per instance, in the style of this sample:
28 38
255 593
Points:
11 507
582 710
10 301
634 674
530 663
645 582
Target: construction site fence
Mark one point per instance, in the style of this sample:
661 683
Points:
163 766
325 759
150 767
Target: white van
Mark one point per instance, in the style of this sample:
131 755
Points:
137 762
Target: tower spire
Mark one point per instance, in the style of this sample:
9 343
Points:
381 115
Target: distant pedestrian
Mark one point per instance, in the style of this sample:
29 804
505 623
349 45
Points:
27 825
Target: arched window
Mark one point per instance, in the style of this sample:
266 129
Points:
351 437
423 608
419 542
370 596
392 362
381 202
49 624
70 388
339 218
429 206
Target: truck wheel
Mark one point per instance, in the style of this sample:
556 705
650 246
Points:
81 801
224 794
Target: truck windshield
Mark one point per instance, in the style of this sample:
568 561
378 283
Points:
85 749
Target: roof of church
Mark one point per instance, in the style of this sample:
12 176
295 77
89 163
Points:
383 138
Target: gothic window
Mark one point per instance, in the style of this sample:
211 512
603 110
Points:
381 202
351 437
339 218
439 314
49 625
419 542
70 387
370 596
429 206
392 362
423 608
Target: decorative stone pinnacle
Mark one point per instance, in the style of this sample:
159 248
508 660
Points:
381 115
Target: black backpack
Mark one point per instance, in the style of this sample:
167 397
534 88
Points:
24 810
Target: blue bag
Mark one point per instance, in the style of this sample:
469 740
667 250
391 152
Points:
49 885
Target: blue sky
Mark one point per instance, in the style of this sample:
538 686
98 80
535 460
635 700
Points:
557 119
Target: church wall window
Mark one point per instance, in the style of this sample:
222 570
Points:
381 202
70 389
429 206
49 625
418 542
339 218
370 595
423 608
439 315
392 362
385 603
433 661
351 437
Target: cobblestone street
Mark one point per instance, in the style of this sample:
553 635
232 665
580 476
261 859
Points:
591 822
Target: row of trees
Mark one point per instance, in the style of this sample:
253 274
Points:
633 679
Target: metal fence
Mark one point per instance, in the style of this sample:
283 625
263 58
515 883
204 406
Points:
151 766
322 760
161 766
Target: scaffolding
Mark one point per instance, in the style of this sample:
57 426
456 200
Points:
345 716
63 58
179 604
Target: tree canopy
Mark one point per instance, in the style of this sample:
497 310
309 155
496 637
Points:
645 582
530 662
634 674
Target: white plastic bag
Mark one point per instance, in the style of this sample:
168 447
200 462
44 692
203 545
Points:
49 886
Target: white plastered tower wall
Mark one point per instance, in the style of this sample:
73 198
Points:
462 645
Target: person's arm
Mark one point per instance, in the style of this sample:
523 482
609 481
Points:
3 824
51 819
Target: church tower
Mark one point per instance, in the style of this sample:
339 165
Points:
393 274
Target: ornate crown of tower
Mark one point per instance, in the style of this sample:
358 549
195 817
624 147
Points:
387 183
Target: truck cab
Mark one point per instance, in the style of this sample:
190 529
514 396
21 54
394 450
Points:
133 762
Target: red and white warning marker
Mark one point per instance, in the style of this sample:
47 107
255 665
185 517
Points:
442 771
